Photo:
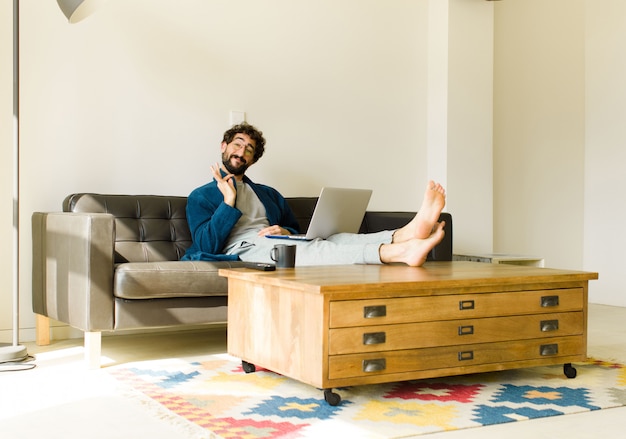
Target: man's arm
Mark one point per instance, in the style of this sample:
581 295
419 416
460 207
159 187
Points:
210 219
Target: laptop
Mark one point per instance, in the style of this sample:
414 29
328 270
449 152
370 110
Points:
338 210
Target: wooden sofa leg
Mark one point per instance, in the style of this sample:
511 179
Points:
42 330
93 349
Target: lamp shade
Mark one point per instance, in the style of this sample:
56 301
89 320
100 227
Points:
77 10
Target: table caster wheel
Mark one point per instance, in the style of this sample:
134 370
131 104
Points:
331 397
569 370
248 367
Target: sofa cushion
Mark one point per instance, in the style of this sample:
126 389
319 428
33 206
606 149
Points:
159 280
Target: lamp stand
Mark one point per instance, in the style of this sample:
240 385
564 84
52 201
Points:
10 354
15 352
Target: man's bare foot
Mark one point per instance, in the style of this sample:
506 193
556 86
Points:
421 226
412 252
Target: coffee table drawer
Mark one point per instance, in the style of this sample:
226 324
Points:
451 307
381 363
453 332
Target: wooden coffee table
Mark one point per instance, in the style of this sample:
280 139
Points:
336 326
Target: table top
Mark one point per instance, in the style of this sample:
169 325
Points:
455 274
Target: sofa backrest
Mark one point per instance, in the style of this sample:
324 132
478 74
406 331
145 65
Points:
148 228
152 228
302 208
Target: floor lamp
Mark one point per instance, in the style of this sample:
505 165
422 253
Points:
74 10
15 352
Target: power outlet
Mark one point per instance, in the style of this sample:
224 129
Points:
237 117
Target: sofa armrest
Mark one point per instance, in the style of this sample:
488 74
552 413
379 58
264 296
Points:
73 268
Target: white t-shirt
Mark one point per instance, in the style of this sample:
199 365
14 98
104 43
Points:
253 218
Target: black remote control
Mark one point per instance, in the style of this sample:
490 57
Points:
260 266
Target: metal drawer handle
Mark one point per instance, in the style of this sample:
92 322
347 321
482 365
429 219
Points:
546 350
549 301
377 365
549 325
370 312
465 356
466 304
466 330
374 338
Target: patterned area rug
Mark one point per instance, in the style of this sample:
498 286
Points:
216 399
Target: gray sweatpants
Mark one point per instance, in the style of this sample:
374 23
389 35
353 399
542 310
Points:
339 249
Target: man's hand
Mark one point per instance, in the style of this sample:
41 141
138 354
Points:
274 230
225 184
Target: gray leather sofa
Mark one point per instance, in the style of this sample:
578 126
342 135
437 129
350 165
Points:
112 262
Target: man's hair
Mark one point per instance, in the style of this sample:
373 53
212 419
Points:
255 134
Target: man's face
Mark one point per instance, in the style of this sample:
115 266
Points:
238 155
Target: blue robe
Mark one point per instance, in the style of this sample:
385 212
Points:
211 220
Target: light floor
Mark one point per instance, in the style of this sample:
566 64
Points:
61 399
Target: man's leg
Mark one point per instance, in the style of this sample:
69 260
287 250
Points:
340 249
424 222
373 248
413 252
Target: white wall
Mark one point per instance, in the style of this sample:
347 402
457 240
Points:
470 128
605 148
135 99
559 136
539 135
147 87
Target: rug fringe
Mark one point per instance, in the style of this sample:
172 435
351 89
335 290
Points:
187 430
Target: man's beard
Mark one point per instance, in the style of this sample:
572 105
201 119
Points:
235 170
